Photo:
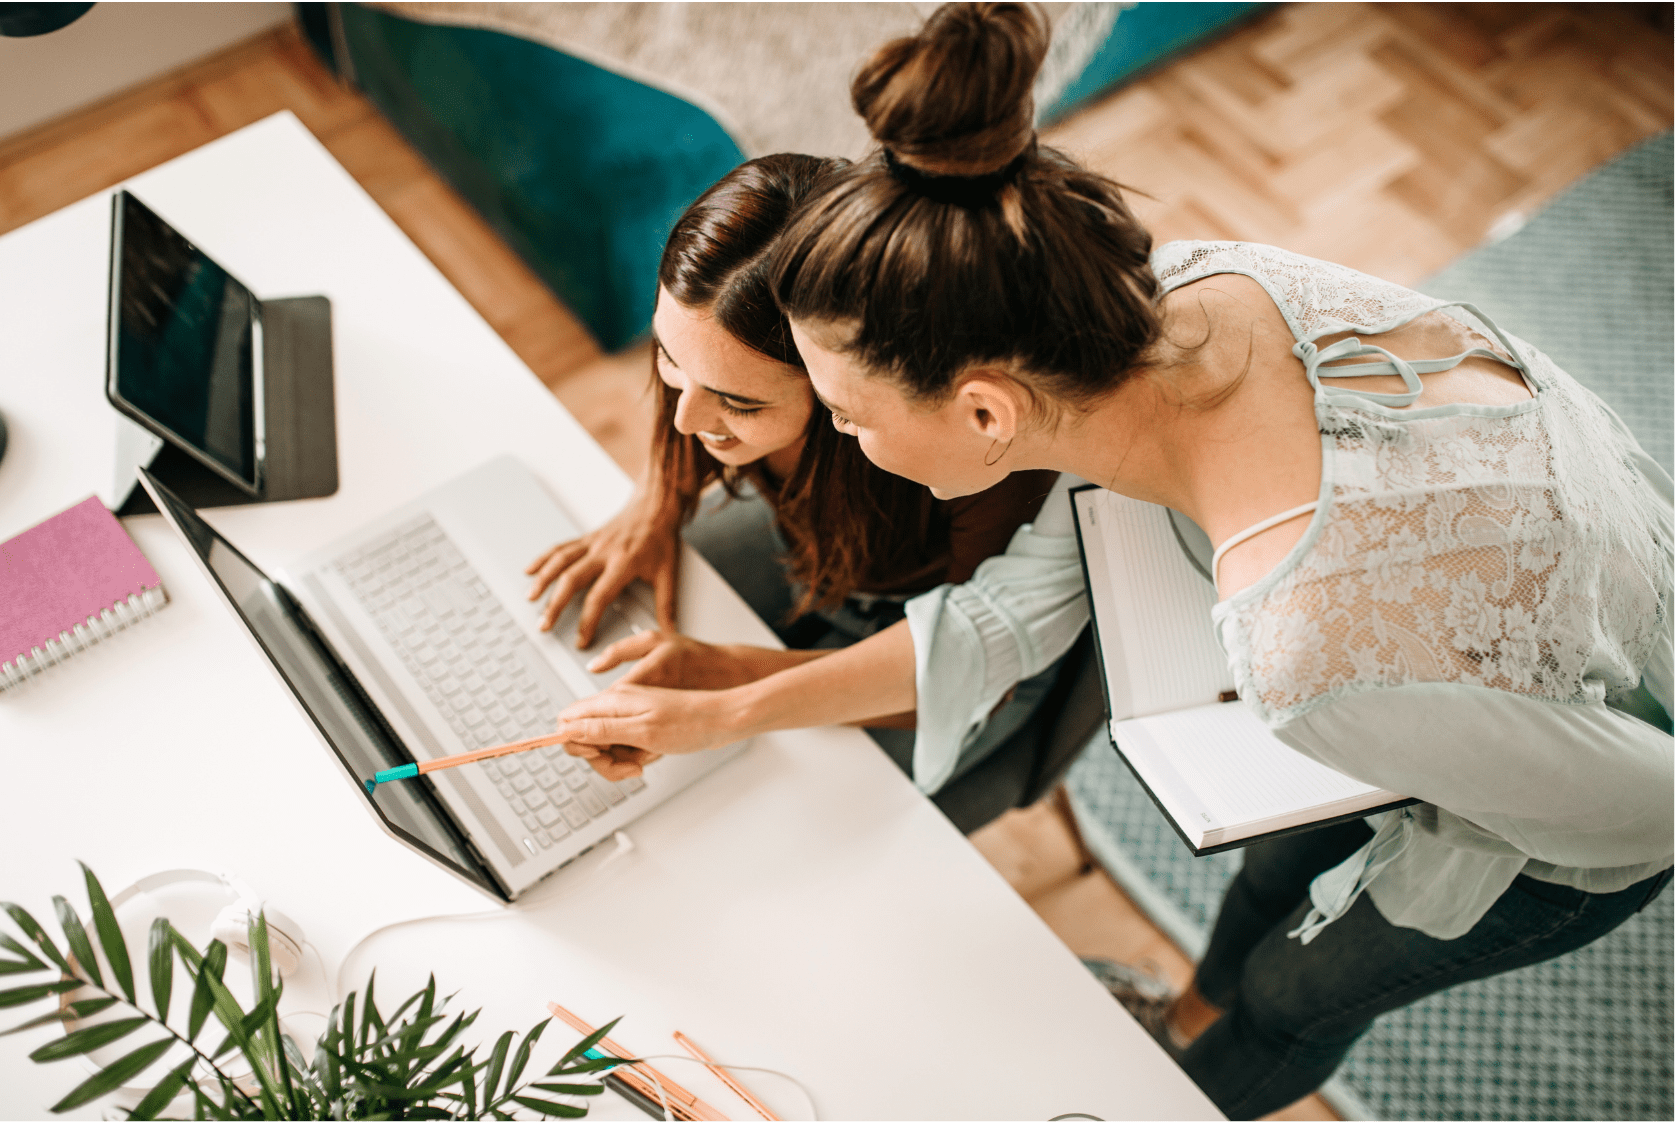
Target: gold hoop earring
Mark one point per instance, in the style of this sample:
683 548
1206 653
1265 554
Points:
991 460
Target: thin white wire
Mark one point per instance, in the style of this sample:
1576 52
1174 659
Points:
623 845
810 1102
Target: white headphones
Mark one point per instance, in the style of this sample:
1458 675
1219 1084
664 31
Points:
232 925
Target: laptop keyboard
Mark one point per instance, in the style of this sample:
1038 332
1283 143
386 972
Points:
481 673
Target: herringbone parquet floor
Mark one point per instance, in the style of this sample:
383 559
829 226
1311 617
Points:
1389 137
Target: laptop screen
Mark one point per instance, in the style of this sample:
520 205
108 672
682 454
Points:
183 340
351 725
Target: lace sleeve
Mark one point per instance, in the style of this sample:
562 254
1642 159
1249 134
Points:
1578 786
1315 297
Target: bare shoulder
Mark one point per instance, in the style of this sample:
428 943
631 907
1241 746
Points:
1234 288
1226 317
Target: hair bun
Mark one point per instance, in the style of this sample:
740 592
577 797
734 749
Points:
956 98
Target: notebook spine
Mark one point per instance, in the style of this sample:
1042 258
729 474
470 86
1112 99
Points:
107 623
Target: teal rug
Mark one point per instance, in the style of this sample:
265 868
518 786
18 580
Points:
1590 280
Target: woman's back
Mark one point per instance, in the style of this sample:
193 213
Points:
1517 546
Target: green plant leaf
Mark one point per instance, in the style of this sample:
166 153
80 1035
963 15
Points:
19 966
36 934
16 948
206 1108
81 951
110 934
348 1019
570 1089
262 971
248 1025
522 1056
582 1068
370 1015
401 1038
233 1018
498 1059
87 1039
164 1092
548 1108
114 1075
282 1062
160 966
19 996
75 1011
469 1085
584 1046
210 965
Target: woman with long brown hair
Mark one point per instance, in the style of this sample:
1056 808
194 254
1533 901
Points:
1443 562
827 548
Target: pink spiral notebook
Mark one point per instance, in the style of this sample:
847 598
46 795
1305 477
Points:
68 583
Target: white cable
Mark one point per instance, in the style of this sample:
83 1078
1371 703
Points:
810 1101
623 845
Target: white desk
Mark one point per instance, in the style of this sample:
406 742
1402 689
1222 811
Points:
802 908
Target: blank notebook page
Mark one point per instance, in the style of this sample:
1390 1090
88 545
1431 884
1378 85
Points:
1242 773
1163 609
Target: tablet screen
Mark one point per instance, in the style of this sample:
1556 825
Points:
184 341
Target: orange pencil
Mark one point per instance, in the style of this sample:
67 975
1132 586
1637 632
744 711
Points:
723 1075
405 771
683 1102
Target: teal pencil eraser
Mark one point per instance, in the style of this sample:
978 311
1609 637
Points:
402 772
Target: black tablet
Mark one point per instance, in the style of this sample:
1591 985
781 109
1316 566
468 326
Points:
185 355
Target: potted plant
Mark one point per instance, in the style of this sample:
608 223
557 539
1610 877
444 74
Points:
366 1065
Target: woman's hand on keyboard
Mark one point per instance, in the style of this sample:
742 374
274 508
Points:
641 541
674 660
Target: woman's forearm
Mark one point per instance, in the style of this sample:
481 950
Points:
869 679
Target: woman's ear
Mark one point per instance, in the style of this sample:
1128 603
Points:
992 405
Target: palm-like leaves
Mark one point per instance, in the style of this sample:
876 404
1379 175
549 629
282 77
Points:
409 1065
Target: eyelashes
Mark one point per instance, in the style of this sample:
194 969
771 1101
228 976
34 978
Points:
840 422
662 359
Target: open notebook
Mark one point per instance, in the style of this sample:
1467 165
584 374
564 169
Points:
1212 767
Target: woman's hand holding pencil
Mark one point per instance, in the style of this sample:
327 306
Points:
408 771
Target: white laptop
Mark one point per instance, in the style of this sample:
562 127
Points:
412 639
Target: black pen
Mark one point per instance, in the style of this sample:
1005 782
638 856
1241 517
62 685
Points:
635 1095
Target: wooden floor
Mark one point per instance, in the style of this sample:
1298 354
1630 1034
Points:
1389 137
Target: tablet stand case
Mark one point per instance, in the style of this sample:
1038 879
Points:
301 438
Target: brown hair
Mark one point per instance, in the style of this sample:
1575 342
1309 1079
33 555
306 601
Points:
1037 265
847 522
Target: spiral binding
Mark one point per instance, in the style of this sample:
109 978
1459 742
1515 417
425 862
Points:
107 623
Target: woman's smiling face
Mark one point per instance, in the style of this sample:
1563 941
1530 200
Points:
744 406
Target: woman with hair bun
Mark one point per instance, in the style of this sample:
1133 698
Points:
827 548
1443 563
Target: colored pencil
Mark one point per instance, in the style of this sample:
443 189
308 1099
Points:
722 1074
407 771
684 1104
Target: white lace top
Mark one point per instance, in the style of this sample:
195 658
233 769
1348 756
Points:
1476 581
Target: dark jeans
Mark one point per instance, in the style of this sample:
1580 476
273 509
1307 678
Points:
1293 1012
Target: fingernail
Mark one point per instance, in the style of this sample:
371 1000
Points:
594 665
